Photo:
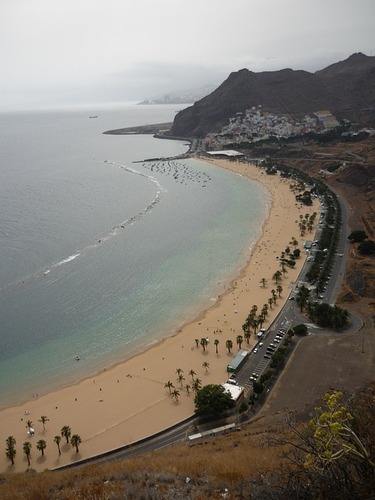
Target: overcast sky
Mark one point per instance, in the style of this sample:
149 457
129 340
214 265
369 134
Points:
55 52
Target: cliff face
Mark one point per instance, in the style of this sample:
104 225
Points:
346 88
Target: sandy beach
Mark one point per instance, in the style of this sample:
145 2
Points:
129 401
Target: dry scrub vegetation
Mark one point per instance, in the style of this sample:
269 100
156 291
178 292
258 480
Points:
331 455
261 461
225 466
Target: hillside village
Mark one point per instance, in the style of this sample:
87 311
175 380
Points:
255 125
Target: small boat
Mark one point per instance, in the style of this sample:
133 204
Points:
77 358
95 116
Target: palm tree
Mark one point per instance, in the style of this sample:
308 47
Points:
27 451
192 373
44 419
41 445
283 266
260 320
75 441
294 242
277 277
11 448
175 395
197 342
216 342
66 432
188 387
204 343
265 310
29 424
197 385
206 365
239 340
246 327
303 297
229 345
250 317
247 336
274 296
253 310
181 378
254 324
57 440
263 281
169 385
279 289
179 371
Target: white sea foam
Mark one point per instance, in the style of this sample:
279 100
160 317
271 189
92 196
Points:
68 259
148 208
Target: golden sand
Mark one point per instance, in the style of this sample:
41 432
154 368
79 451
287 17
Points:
129 401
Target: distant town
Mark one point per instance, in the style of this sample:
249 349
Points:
255 125
186 97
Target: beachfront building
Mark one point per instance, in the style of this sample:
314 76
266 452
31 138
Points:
227 153
238 360
236 391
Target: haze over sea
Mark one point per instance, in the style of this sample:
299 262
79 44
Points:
101 256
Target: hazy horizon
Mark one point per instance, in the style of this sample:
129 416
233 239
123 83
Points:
56 53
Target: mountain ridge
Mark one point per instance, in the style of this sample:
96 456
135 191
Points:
347 88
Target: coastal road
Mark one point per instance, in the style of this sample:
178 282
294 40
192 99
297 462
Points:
177 433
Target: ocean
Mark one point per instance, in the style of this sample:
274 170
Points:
101 253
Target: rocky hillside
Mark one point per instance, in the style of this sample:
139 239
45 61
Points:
346 88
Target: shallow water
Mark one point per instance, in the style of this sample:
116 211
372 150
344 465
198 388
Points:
100 255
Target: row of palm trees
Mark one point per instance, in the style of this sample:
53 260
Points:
204 343
66 432
307 223
255 320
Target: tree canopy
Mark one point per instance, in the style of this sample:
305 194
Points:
357 236
367 247
329 316
300 329
212 400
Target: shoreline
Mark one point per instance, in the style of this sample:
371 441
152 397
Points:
97 407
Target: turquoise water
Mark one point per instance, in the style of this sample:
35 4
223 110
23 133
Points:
100 255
